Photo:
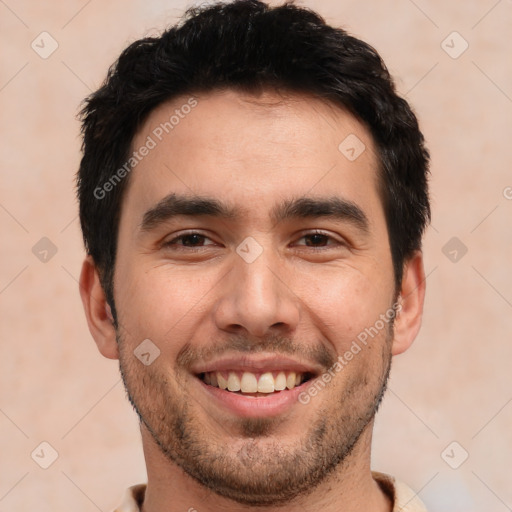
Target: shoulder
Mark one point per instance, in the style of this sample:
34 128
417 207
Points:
132 499
403 497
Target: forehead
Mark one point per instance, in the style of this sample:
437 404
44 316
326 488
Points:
253 149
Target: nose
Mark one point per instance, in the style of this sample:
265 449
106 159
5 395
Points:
257 297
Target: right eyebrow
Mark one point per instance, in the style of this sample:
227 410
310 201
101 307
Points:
174 205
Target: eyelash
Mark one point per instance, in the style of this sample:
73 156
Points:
172 242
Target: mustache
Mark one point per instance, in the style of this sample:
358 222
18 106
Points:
318 353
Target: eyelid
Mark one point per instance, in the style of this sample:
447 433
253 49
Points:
327 234
184 234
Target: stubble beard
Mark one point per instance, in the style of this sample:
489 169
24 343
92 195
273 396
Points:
254 468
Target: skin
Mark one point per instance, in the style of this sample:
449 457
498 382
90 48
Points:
195 300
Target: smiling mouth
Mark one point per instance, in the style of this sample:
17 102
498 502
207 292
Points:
255 384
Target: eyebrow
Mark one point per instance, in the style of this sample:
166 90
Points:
333 207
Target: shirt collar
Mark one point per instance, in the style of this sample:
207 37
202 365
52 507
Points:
404 499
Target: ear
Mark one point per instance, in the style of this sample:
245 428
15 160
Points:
412 295
97 311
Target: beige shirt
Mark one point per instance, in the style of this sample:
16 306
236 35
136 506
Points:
403 498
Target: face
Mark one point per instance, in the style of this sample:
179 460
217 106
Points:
253 252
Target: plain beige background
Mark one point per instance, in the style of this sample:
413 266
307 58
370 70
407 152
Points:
454 385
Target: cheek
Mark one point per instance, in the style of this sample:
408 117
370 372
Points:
157 302
344 302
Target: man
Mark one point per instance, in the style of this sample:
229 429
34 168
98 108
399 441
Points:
253 195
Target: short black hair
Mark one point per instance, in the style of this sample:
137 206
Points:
247 45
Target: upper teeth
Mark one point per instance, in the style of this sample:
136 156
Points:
248 382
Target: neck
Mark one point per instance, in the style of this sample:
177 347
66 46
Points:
349 489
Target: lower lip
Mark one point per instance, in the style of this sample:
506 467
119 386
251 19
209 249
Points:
255 407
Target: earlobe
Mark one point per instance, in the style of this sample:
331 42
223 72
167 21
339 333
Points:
412 295
97 310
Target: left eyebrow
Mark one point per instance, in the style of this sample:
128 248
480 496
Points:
333 207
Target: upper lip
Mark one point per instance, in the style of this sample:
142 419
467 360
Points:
256 364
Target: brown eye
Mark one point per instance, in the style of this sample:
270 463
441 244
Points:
192 240
316 239
319 240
